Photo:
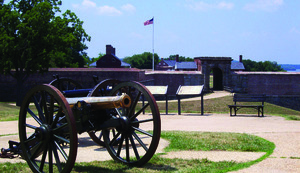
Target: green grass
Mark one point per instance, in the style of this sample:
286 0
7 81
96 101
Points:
220 105
208 141
9 134
8 111
179 141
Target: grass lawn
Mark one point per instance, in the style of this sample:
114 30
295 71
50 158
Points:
219 105
8 111
179 141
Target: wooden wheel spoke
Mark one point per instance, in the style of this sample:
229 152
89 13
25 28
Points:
44 105
118 111
140 141
39 109
51 110
62 139
30 126
100 135
50 158
142 131
62 119
133 105
61 150
57 160
37 119
134 147
30 139
114 139
120 146
56 118
141 121
127 148
56 130
43 160
139 112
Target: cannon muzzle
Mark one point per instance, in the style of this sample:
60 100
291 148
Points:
107 102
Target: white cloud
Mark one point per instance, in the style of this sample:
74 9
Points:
203 6
264 5
295 30
107 10
90 6
88 3
128 7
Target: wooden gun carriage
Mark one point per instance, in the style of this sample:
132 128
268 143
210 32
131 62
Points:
50 121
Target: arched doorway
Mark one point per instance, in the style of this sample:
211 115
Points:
216 71
217 78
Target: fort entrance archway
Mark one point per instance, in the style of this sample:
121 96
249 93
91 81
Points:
221 69
217 79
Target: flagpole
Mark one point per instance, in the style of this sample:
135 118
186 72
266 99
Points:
153 46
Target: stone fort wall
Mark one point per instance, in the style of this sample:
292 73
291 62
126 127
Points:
269 83
84 76
283 88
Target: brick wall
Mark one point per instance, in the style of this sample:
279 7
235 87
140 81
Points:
84 76
270 83
288 101
275 84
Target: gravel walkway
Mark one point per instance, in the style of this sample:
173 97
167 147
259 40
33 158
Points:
285 134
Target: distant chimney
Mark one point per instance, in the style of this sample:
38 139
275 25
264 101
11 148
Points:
110 50
162 59
177 58
241 58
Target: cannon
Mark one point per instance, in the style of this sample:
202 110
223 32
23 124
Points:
49 124
71 88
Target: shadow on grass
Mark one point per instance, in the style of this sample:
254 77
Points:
118 168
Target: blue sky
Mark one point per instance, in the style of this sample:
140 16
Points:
259 30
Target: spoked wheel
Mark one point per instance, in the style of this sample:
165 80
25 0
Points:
101 89
136 141
47 131
65 84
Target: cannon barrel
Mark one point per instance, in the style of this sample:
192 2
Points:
107 102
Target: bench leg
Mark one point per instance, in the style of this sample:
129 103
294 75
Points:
235 110
262 111
230 111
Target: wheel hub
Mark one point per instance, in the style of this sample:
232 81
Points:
43 133
125 124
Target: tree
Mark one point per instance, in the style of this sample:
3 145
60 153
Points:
181 58
261 66
34 39
90 61
142 61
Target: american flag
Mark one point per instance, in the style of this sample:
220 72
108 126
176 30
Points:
148 22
